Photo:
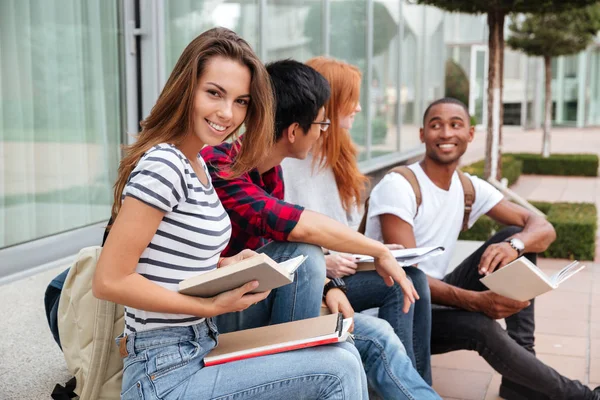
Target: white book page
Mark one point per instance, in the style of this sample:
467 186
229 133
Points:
290 266
566 273
406 255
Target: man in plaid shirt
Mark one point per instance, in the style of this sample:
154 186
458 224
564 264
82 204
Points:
262 221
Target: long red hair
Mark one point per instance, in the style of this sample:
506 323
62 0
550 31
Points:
336 149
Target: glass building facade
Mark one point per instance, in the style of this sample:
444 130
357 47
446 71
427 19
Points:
76 77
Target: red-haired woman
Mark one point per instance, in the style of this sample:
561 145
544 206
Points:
330 182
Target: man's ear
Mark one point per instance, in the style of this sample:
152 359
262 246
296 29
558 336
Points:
292 131
471 133
422 135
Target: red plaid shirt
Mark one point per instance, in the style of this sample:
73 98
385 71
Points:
253 201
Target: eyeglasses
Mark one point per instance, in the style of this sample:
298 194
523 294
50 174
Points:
324 125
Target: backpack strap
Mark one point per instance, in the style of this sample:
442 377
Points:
410 176
469 191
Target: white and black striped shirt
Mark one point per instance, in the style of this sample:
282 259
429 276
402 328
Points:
189 239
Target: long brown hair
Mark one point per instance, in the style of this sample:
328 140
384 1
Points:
336 149
171 117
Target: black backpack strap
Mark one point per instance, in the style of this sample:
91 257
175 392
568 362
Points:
65 392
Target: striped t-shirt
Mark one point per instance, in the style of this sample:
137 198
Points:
189 239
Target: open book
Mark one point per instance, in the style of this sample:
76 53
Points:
522 280
261 267
403 256
278 338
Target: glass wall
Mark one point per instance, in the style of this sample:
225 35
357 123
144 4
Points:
59 115
386 77
348 42
594 88
302 29
65 66
184 20
295 29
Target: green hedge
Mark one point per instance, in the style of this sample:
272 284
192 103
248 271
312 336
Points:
559 164
511 168
575 225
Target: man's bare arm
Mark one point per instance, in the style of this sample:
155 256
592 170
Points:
396 230
537 232
537 235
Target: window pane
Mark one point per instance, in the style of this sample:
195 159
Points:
594 80
294 29
59 115
348 36
384 86
184 20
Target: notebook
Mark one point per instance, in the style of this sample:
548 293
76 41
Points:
403 256
279 338
261 267
522 280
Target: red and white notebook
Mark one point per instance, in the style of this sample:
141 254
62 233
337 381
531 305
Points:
278 338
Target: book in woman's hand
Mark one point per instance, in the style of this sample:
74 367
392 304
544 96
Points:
269 274
279 338
522 280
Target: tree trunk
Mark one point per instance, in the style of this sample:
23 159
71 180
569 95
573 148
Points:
501 99
496 56
548 107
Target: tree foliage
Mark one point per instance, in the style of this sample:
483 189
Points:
555 34
457 82
507 6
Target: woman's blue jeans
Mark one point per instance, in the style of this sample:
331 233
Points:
167 363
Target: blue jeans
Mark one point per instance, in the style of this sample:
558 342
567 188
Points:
389 370
300 299
167 363
367 290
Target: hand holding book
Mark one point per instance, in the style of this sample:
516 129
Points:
522 280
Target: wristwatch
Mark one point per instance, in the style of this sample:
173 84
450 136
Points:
337 283
517 244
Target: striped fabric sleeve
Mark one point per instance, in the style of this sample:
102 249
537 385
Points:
158 180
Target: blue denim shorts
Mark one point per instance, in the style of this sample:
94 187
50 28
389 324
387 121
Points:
157 363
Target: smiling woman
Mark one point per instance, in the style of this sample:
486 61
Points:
170 225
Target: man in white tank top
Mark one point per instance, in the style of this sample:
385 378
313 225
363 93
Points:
464 311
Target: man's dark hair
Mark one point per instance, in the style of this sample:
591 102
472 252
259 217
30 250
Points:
299 91
446 100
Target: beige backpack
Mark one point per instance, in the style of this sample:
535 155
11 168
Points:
410 176
88 328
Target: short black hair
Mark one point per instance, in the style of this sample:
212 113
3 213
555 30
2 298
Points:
299 92
446 100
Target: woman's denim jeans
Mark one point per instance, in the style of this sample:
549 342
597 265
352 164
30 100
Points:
168 363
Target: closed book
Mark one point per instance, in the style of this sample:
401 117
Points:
261 267
522 280
405 257
279 338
